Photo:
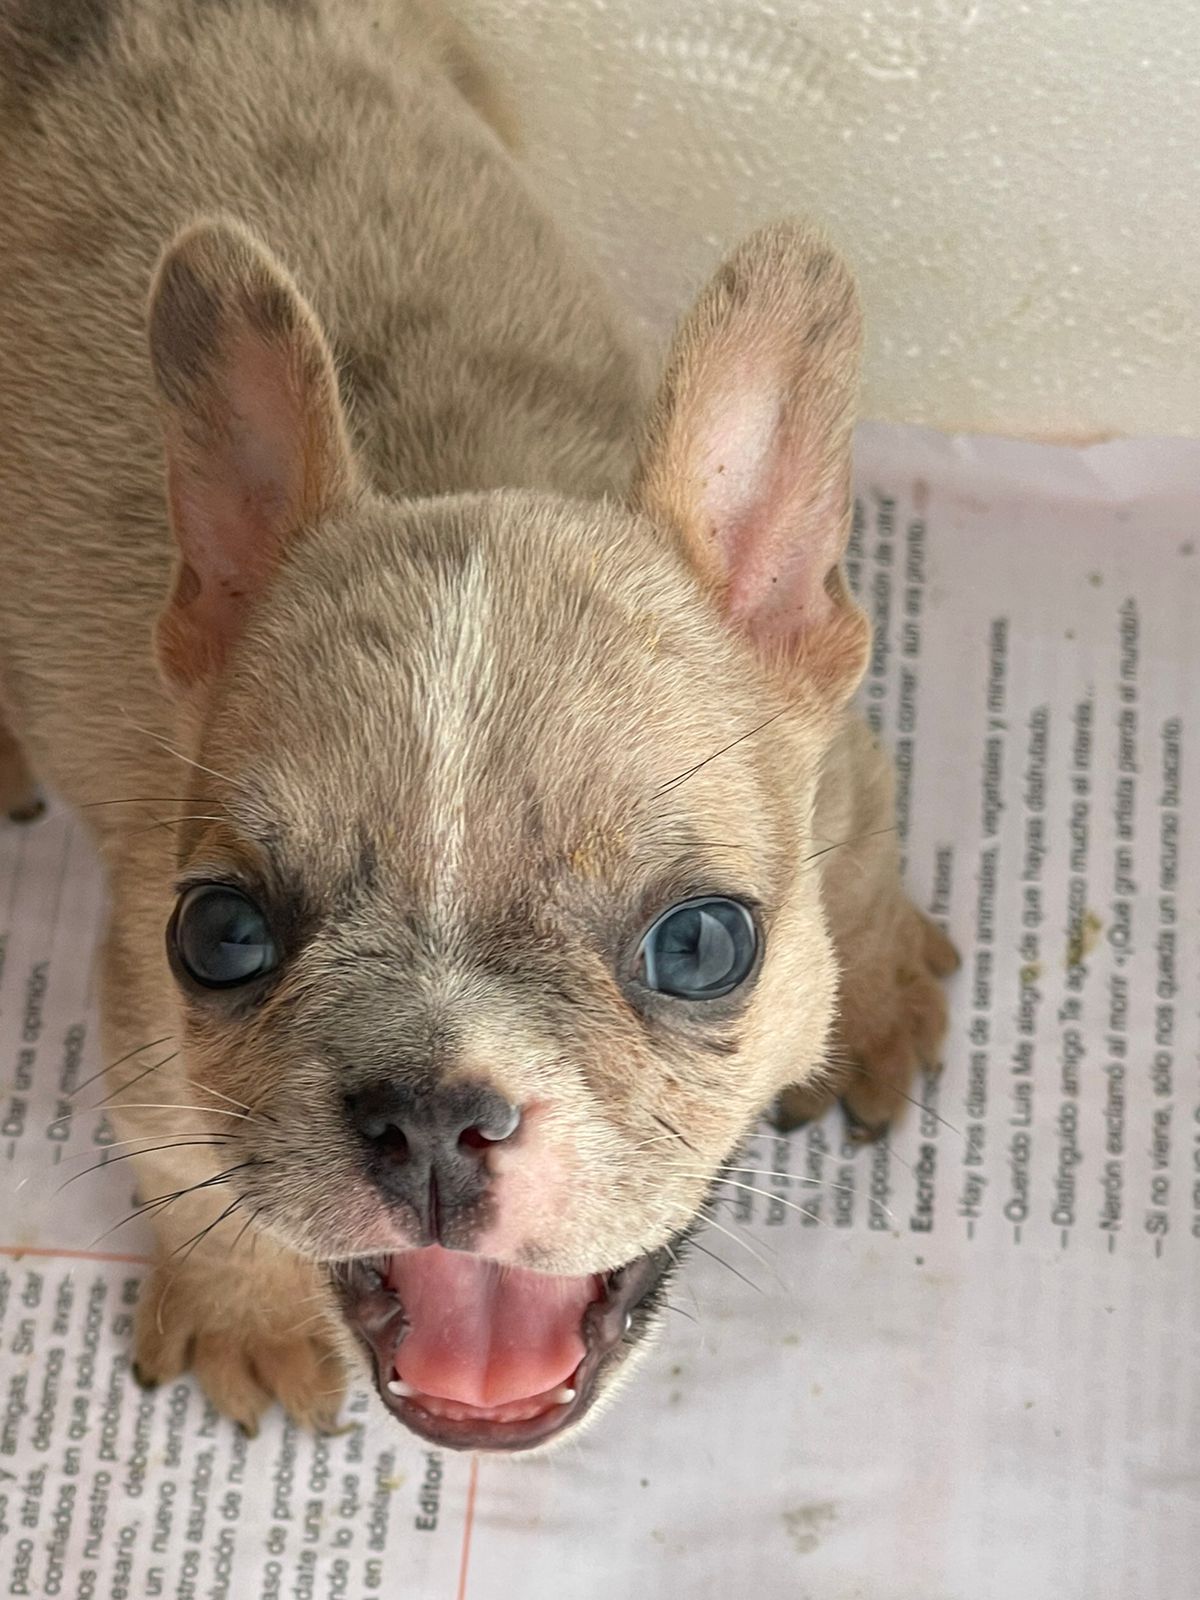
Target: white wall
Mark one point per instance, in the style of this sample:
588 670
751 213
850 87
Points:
1017 183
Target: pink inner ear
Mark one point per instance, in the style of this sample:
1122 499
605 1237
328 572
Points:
736 448
218 577
234 500
270 434
774 533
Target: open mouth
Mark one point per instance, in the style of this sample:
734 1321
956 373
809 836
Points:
473 1355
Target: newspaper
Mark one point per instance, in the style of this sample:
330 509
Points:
961 1363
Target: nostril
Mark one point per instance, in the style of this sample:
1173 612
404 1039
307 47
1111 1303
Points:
498 1122
393 1141
406 1127
385 1135
478 1139
379 1126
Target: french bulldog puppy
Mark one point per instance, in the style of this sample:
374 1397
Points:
463 727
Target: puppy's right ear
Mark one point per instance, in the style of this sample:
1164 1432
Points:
255 438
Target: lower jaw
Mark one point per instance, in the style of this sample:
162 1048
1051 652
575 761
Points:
612 1327
474 1429
530 1410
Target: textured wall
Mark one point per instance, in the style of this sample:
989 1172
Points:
1017 183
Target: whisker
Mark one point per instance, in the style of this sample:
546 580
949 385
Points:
842 844
841 1062
328 1394
699 844
767 1195
729 1267
659 1138
317 1294
128 1056
155 1105
171 750
168 822
124 1088
857 1066
744 1244
141 1210
204 1232
792 1177
663 1123
228 1098
669 1305
307 1322
839 1188
162 1201
678 1265
141 800
130 1155
117 1144
690 772
796 1177
894 1154
249 1223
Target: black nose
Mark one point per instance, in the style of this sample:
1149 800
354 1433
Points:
424 1150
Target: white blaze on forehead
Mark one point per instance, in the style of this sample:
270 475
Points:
460 680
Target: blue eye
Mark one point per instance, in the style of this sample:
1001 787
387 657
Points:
700 949
222 938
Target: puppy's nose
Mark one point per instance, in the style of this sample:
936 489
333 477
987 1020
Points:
424 1148
406 1121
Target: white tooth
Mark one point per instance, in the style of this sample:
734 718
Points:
398 1387
562 1396
628 1324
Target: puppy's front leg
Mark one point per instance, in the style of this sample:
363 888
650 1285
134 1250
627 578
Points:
891 1004
255 1322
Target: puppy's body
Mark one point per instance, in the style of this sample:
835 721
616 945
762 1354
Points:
449 733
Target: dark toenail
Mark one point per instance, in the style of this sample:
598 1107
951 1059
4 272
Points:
142 1378
858 1130
785 1121
29 812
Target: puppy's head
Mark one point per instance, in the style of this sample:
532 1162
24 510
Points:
495 910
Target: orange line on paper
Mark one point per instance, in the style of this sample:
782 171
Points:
18 1251
468 1526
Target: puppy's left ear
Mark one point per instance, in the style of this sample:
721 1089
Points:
746 458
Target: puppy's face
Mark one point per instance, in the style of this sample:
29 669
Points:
494 910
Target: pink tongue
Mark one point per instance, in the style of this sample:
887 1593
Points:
484 1334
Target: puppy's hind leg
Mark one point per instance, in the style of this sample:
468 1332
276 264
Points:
892 1011
465 64
19 797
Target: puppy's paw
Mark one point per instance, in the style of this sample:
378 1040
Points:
891 1026
248 1350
